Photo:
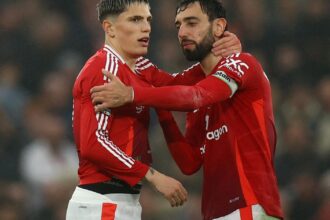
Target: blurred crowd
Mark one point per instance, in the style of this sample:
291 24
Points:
43 45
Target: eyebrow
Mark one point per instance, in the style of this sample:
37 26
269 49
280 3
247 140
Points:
187 19
140 17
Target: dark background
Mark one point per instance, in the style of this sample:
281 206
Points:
43 45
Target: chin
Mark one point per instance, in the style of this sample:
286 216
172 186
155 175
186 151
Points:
141 52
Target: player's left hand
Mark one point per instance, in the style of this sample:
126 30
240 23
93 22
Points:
111 95
227 45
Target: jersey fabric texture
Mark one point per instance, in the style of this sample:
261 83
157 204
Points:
230 132
114 143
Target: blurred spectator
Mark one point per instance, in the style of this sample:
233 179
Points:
49 165
306 198
10 146
299 155
12 203
12 96
323 125
44 42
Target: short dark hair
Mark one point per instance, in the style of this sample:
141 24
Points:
213 8
114 7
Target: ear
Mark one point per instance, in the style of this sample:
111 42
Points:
108 27
219 26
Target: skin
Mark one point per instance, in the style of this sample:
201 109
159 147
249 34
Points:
129 33
193 27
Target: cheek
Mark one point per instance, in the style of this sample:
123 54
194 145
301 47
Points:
127 35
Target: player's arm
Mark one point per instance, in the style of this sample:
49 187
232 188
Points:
214 88
103 152
185 98
158 77
234 72
227 45
187 156
98 148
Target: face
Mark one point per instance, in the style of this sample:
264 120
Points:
131 31
194 32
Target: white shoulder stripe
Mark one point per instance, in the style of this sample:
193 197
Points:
145 67
142 62
116 68
113 52
111 63
139 59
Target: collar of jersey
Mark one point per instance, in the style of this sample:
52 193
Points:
114 52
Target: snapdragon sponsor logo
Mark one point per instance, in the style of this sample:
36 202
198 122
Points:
216 134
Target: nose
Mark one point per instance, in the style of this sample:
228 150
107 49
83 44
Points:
182 33
146 27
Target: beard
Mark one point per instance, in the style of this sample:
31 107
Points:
202 49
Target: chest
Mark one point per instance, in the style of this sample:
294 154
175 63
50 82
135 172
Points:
130 78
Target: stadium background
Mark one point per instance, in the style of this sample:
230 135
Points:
43 45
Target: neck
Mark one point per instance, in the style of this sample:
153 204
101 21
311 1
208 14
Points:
128 60
209 62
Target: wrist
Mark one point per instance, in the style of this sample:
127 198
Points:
130 96
150 174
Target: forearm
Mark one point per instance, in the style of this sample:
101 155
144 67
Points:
187 157
158 77
97 147
183 98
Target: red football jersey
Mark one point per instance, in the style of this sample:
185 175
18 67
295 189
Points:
114 143
233 127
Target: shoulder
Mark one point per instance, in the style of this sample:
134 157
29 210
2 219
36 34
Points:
193 68
143 64
238 59
102 59
239 63
94 63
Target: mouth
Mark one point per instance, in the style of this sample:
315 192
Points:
187 44
144 41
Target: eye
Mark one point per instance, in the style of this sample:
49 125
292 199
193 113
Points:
177 25
135 19
192 24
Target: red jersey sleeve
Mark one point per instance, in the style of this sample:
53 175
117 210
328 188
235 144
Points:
186 155
184 98
96 145
157 77
241 67
233 73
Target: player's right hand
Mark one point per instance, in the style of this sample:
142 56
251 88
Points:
169 187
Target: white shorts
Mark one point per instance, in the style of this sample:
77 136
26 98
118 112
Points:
89 205
254 212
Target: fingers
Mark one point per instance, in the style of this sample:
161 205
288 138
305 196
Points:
108 74
96 89
100 108
97 100
179 197
227 45
227 37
